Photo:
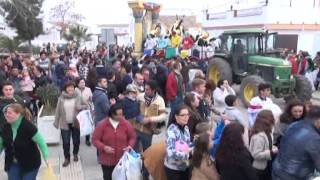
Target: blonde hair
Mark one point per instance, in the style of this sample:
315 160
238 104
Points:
17 108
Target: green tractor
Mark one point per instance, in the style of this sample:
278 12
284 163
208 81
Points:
248 57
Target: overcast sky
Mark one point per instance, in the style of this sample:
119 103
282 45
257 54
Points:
117 11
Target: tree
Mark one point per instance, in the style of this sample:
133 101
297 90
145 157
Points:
23 16
11 44
63 16
77 34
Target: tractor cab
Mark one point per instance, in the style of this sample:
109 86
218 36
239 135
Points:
239 45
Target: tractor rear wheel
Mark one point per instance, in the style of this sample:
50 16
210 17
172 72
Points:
249 88
219 69
303 89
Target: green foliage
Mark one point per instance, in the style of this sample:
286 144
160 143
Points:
23 15
15 44
49 96
77 34
11 44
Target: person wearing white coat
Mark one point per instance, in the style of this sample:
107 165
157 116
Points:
220 93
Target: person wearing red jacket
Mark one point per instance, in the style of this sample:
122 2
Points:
294 64
174 86
112 137
187 42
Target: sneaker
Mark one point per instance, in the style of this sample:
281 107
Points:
75 158
66 163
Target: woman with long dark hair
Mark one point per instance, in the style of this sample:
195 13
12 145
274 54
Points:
195 118
261 144
294 111
177 145
233 159
203 165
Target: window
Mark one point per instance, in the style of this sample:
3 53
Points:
240 45
253 44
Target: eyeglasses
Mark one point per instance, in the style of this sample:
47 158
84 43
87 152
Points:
184 115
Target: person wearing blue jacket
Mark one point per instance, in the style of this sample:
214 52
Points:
299 153
100 100
131 106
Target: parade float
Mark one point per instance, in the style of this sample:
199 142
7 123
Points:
155 39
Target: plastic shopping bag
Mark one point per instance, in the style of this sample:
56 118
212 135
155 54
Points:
129 167
134 166
315 176
119 172
85 122
48 174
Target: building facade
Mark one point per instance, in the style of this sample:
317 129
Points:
296 21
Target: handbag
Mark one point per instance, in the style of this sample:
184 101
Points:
48 174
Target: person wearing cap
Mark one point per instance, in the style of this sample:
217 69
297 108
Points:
131 106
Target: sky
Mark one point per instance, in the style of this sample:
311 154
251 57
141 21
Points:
117 11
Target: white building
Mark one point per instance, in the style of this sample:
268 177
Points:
120 34
296 21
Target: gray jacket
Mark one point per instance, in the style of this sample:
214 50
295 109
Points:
259 149
234 114
60 115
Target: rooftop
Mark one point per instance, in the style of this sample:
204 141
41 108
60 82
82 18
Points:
244 31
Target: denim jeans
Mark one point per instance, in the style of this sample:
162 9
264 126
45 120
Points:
66 135
15 173
144 139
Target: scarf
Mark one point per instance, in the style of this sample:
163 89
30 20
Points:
65 95
149 100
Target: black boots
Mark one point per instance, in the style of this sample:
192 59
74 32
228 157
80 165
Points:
66 163
75 158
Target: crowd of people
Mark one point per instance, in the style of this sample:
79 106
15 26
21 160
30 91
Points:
208 135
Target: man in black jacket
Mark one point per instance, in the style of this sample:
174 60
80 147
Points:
7 98
299 154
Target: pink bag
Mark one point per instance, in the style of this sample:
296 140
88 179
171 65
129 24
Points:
182 146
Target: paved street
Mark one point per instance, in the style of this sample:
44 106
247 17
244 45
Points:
87 168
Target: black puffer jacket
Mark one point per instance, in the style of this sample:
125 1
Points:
299 155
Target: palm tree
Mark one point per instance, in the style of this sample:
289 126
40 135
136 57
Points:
77 34
11 44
